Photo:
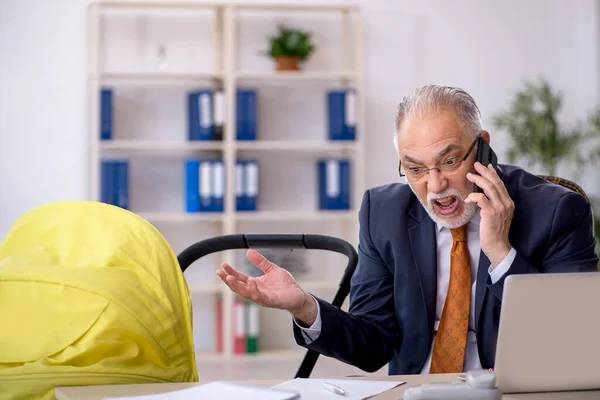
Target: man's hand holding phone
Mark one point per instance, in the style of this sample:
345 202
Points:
485 156
496 212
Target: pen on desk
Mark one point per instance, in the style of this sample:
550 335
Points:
334 389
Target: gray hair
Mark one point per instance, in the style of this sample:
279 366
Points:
432 99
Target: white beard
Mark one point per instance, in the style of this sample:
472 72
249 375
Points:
468 210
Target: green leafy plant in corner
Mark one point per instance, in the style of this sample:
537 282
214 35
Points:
538 138
290 42
536 135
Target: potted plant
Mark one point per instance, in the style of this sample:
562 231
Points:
538 138
290 47
536 135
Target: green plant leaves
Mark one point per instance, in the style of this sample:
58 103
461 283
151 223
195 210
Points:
536 136
538 139
291 43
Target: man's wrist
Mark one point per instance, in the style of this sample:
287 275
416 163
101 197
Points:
307 313
499 254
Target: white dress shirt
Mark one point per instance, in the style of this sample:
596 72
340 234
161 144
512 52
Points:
444 245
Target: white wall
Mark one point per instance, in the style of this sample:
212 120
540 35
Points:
486 47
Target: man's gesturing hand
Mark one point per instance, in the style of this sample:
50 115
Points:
276 288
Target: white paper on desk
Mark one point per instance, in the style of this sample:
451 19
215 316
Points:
356 389
218 390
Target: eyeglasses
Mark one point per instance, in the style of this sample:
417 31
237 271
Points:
447 167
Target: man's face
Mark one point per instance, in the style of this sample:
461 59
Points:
434 140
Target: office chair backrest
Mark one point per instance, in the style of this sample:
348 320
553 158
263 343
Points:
565 183
299 241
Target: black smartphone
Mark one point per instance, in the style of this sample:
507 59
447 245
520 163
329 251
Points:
486 156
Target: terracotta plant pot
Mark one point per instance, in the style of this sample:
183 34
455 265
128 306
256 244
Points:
288 64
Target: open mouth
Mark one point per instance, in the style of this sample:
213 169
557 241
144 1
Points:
446 206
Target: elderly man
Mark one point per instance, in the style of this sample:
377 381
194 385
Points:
434 253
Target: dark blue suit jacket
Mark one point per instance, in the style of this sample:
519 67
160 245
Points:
393 294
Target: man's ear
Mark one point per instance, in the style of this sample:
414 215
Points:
486 136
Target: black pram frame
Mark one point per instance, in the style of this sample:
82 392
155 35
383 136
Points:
291 241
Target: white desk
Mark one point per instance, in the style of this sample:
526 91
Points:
99 392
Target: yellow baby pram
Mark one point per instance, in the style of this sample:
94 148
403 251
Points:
90 294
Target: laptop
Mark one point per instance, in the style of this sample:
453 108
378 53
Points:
549 333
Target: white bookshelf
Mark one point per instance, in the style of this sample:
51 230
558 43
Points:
147 137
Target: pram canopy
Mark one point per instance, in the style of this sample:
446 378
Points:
90 294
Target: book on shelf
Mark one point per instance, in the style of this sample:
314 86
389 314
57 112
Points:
334 184
200 115
245 325
219 114
207 114
106 113
252 327
247 185
219 324
239 327
341 114
114 183
204 185
247 114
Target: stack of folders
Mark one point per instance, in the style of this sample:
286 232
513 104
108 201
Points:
334 184
206 114
205 185
341 107
246 326
246 185
106 113
114 183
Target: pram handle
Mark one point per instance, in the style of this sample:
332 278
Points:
248 241
301 241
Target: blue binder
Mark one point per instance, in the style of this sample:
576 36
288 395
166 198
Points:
251 184
106 114
335 113
199 186
114 183
200 115
205 185
240 198
107 182
349 115
334 184
247 185
217 185
192 186
341 112
246 114
122 184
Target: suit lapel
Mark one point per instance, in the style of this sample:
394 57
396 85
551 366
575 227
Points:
423 245
481 287
484 264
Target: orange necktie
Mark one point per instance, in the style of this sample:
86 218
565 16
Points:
451 339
